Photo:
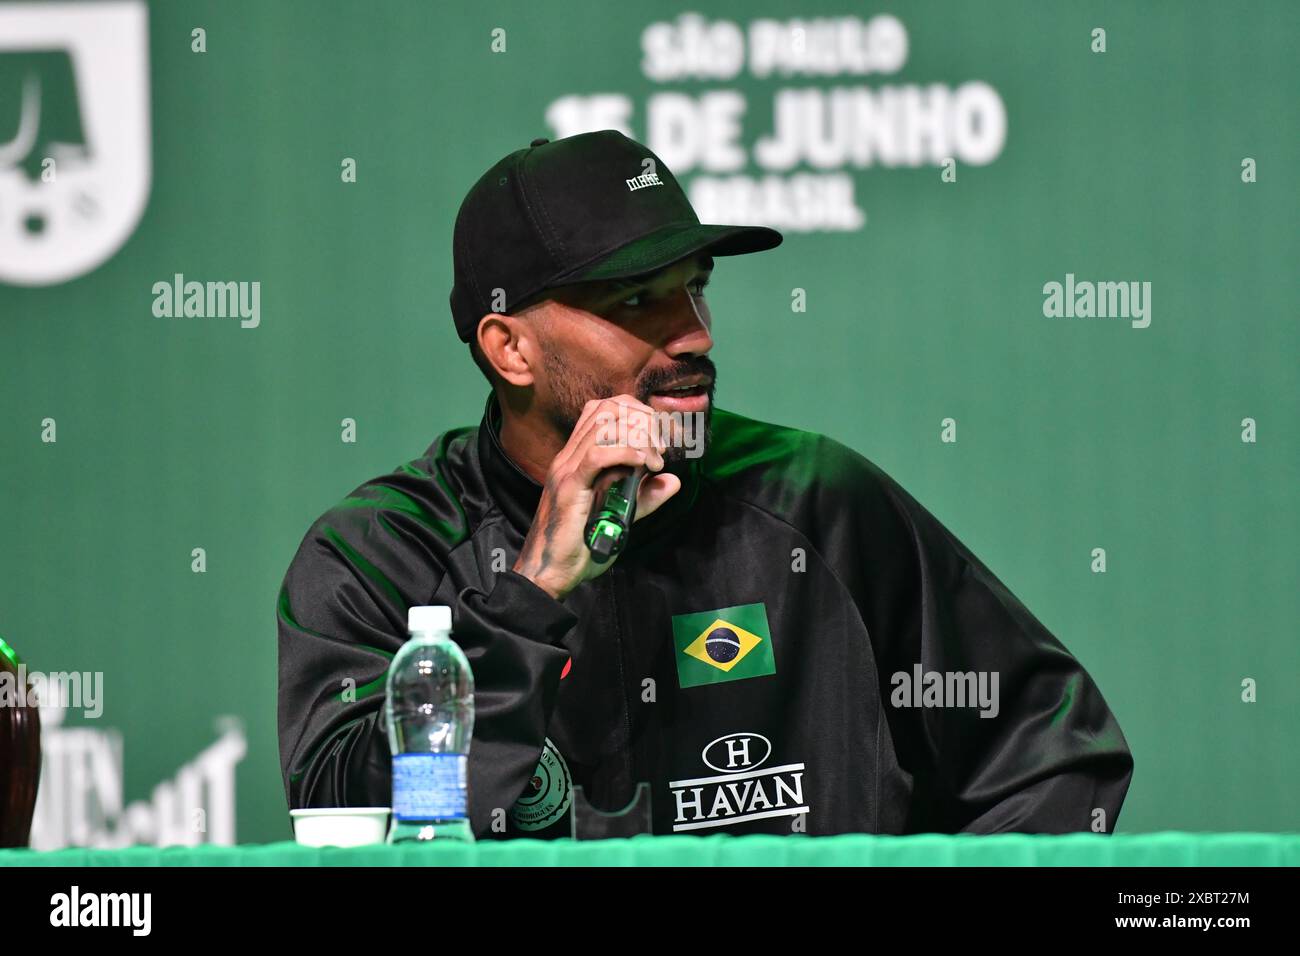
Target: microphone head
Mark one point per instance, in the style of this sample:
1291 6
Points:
604 540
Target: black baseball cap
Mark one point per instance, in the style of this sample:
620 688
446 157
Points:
583 208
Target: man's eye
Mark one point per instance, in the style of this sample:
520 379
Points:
641 297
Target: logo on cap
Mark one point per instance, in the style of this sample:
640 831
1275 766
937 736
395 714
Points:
642 181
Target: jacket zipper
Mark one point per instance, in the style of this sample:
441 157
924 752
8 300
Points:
626 774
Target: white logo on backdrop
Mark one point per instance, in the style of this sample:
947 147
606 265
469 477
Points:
74 136
778 122
80 800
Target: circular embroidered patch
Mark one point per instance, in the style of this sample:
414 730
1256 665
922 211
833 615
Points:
548 794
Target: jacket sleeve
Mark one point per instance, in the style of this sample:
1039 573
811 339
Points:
1051 756
342 617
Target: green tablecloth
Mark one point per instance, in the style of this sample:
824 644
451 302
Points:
1076 849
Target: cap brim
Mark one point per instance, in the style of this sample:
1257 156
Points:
673 243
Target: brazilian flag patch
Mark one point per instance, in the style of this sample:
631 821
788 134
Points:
731 643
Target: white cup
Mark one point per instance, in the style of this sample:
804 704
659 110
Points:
340 826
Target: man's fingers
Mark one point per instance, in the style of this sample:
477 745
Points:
600 457
574 441
621 419
654 491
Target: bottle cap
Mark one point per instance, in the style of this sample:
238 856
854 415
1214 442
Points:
429 618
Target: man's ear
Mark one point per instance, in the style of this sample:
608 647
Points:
504 341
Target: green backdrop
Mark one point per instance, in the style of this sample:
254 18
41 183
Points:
1072 433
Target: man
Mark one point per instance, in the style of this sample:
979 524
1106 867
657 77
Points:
788 643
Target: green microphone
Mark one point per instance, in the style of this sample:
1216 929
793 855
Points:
613 511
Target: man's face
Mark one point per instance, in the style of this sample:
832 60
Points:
645 337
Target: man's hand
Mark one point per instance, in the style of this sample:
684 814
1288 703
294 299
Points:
555 555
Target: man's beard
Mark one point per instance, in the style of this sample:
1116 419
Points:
572 387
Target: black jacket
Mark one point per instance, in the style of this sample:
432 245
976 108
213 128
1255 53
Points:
759 654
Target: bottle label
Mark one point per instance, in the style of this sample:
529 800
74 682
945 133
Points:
429 786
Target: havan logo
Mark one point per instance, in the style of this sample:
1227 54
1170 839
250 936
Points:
741 792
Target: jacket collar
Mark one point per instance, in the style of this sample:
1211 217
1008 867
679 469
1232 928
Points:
517 493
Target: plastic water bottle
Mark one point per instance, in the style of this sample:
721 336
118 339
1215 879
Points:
430 710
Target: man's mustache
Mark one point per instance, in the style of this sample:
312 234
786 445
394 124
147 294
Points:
668 377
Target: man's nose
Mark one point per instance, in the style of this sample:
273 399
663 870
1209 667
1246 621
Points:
688 331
